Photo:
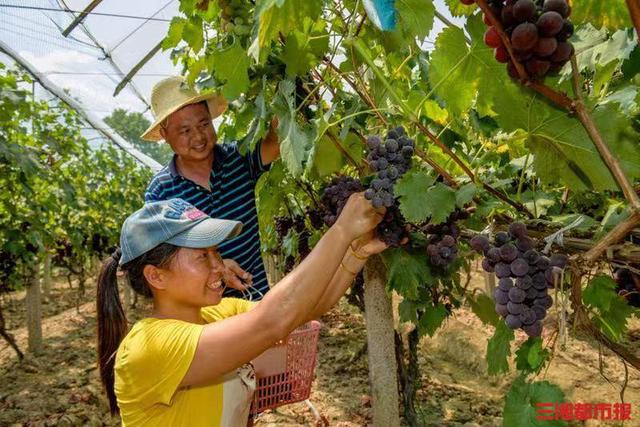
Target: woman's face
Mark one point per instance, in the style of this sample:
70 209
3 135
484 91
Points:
194 277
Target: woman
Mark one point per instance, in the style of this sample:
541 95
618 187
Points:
186 364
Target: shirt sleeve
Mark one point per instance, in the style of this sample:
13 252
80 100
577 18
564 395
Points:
153 360
254 162
152 193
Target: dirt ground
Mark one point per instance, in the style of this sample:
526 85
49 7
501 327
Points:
60 386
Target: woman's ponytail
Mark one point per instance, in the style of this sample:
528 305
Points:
112 324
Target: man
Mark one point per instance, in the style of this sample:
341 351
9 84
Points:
215 178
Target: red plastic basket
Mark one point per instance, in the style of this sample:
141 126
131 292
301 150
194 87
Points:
284 373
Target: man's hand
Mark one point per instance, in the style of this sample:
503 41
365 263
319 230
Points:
234 276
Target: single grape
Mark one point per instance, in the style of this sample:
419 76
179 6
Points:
512 70
502 270
514 307
391 145
501 54
517 295
373 142
559 6
566 32
550 23
505 283
528 316
525 243
507 16
502 310
501 238
539 311
524 10
369 193
508 252
487 266
525 36
531 256
494 254
562 53
513 322
448 240
558 260
545 46
388 200
534 330
543 263
501 296
524 282
406 152
532 293
376 184
545 302
376 202
519 267
517 229
492 38
392 172
537 67
382 163
479 243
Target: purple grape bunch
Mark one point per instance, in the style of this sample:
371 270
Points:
336 194
442 248
391 230
390 159
524 277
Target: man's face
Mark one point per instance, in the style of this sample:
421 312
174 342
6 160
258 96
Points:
190 133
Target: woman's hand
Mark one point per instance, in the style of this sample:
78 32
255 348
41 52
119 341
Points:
235 277
358 216
367 245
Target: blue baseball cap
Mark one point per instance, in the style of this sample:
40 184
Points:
172 221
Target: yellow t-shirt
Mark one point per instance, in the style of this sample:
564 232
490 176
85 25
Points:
153 359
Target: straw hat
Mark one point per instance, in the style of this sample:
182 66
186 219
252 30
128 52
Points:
173 93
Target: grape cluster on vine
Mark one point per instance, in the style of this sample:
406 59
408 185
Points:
539 31
390 159
336 194
442 248
236 16
524 277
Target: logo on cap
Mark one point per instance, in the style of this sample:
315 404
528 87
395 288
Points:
179 209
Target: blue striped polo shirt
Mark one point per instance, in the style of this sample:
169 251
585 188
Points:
232 196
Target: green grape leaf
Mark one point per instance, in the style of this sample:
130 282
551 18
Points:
295 139
407 272
530 357
304 49
193 34
325 158
483 306
407 310
174 35
415 17
275 17
441 201
499 349
612 14
610 310
594 48
465 194
290 243
562 149
520 403
458 9
432 319
231 65
258 126
458 71
411 189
